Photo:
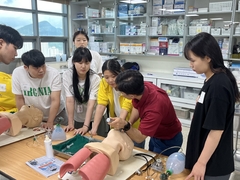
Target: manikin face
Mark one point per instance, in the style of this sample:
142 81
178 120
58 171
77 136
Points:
198 64
110 78
7 52
36 72
80 41
82 68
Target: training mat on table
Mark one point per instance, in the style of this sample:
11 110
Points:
69 147
23 134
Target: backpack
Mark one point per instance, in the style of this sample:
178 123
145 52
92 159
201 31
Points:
131 65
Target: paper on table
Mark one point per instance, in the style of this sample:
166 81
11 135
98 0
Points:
45 166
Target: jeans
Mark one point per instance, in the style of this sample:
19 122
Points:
139 145
161 146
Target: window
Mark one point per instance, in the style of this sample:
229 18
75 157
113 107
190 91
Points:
49 6
52 48
42 25
50 25
21 21
27 46
17 3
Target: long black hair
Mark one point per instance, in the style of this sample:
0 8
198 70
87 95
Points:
81 54
204 44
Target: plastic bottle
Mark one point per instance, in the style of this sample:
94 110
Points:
48 147
58 133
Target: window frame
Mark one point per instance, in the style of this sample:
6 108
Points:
36 39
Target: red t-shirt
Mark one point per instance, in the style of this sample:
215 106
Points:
158 117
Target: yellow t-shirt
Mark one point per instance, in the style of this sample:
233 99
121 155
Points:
106 97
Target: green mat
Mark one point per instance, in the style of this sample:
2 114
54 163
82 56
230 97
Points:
71 146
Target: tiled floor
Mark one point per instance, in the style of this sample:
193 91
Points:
234 176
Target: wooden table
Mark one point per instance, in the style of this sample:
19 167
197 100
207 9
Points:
14 156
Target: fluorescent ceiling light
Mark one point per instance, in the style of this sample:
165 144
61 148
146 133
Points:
205 19
216 19
191 14
134 1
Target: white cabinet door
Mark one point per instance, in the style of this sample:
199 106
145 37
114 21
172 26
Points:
152 80
182 92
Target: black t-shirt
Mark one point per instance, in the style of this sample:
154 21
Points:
214 111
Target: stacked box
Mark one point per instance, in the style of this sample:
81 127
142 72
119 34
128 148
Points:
125 48
154 46
95 39
157 7
122 10
163 45
169 8
225 48
136 48
95 46
215 31
168 2
162 30
155 21
158 2
157 10
92 13
180 8
220 6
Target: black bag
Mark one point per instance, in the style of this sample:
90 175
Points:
131 65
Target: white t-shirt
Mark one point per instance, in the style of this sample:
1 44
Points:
117 107
79 116
36 91
96 64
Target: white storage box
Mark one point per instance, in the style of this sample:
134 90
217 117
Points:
226 31
206 29
220 6
182 113
157 10
192 30
202 9
157 2
215 31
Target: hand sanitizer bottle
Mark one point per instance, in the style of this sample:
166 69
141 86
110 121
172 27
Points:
48 147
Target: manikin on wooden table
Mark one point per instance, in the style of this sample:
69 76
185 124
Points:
14 156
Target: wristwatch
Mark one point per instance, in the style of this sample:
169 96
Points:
126 127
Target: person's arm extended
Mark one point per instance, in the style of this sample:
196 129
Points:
19 101
70 104
97 118
55 104
210 146
90 108
123 113
134 116
136 135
